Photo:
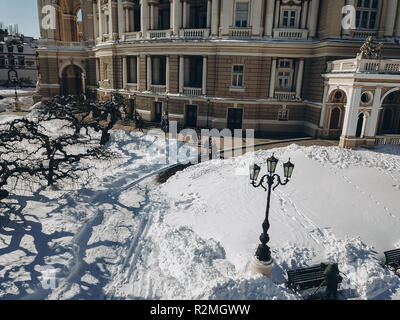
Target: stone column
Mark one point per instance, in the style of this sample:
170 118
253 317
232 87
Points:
304 15
351 113
124 72
167 75
185 8
127 29
376 108
110 19
100 20
149 73
95 21
209 14
144 17
390 18
97 71
397 30
314 18
299 81
152 16
131 21
323 111
277 13
204 79
214 17
273 75
121 19
138 72
269 17
181 73
176 22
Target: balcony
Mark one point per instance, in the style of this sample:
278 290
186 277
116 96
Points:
158 34
364 66
240 33
290 34
388 139
158 89
363 34
192 91
194 33
285 95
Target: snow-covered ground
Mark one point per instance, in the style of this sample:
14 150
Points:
122 236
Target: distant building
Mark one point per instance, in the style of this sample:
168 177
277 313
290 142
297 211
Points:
19 53
268 65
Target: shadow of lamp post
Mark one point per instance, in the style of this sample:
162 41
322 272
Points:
262 261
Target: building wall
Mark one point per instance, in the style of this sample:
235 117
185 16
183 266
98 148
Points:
317 39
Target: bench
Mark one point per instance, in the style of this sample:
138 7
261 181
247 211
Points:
306 278
392 259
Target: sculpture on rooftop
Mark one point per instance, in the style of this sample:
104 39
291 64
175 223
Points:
370 51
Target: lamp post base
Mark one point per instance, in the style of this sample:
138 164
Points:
261 267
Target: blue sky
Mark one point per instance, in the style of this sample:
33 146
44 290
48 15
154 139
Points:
21 12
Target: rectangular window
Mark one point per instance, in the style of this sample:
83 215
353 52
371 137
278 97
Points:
289 18
283 115
1 48
285 75
11 61
2 62
132 69
20 49
21 61
10 49
237 78
242 14
367 13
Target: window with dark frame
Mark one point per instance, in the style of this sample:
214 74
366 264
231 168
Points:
367 13
237 77
242 14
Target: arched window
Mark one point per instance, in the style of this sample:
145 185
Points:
79 25
335 118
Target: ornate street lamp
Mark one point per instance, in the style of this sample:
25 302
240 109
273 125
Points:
268 182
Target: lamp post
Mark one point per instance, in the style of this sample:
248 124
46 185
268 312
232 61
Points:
262 261
134 107
208 111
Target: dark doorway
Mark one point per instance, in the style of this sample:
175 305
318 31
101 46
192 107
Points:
335 118
235 118
157 111
72 83
191 115
360 125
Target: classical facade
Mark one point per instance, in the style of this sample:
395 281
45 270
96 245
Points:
268 65
18 53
